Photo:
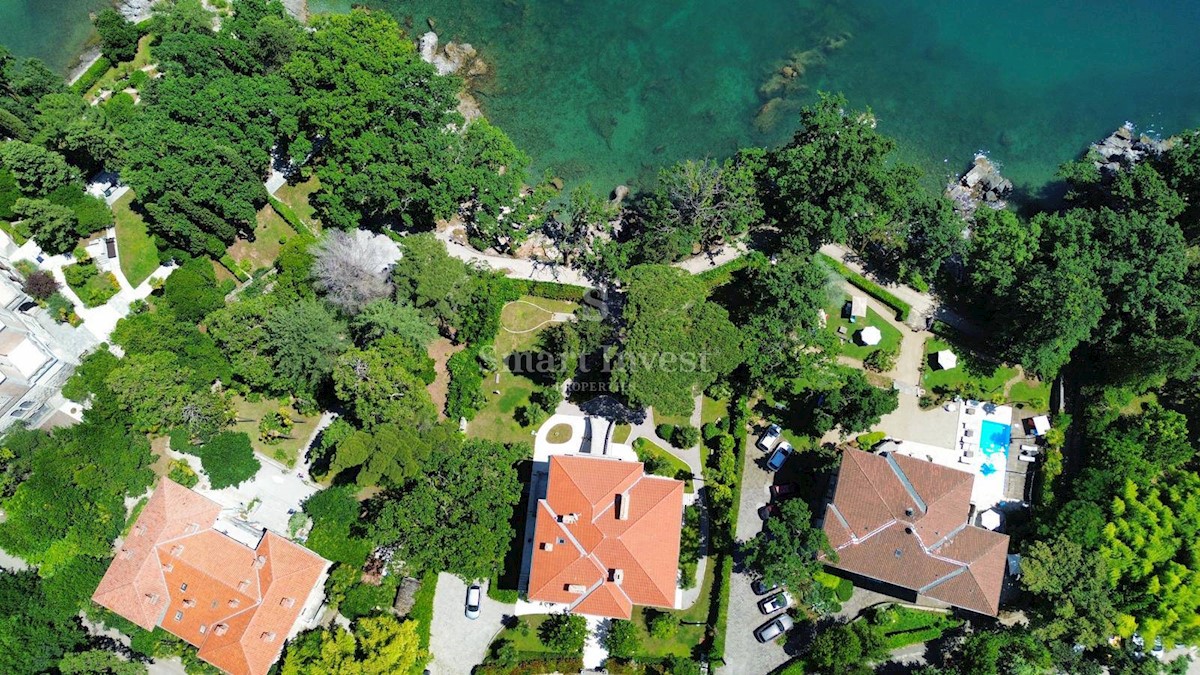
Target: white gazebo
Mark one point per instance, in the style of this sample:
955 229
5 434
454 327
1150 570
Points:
945 359
858 306
870 336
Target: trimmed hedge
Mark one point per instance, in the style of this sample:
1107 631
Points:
464 395
289 215
536 666
92 75
547 289
236 270
422 613
506 595
723 274
720 607
903 309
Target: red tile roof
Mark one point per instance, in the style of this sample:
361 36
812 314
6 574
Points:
580 543
903 521
235 603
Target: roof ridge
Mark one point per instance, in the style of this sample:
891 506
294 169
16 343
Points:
866 476
905 483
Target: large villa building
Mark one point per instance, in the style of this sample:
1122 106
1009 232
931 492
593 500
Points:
905 522
237 604
606 537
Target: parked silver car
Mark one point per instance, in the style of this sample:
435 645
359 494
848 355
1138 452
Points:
773 628
474 597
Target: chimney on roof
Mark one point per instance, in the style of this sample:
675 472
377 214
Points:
287 602
152 598
908 512
547 546
168 568
623 506
578 589
176 550
140 530
189 603
268 636
221 629
127 553
243 584
570 519
259 562
234 602
616 576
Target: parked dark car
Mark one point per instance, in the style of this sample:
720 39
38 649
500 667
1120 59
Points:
761 588
767 511
785 490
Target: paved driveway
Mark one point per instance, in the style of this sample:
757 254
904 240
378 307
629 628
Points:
744 654
457 643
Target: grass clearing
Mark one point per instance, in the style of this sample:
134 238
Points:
506 391
621 433
298 197
903 626
974 375
1030 393
525 635
662 463
673 420
850 347
712 410
286 449
121 70
270 233
559 433
139 256
19 233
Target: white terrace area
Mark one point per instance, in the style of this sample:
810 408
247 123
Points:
979 449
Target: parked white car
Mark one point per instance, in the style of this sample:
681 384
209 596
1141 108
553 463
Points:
474 597
774 603
770 437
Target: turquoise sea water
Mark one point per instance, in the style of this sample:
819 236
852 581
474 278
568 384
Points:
608 90
54 31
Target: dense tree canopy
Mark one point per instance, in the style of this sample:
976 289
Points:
677 342
786 553
456 516
377 646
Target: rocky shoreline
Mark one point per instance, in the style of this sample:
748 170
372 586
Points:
1122 149
456 59
982 185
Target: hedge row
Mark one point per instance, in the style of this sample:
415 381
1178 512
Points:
903 309
723 274
422 613
289 215
718 617
720 607
91 76
547 289
533 667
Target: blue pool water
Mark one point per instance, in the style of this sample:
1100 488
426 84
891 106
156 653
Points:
994 438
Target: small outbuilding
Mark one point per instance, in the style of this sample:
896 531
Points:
1038 425
857 306
945 359
870 336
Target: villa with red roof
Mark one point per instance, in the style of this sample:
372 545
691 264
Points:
606 537
903 521
235 603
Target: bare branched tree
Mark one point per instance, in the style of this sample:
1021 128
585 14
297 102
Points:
351 268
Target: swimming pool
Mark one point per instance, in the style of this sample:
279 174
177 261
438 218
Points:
994 437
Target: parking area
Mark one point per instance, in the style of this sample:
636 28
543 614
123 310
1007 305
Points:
457 643
743 653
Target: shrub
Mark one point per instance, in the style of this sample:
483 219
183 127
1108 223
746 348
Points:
883 359
663 625
228 459
504 653
181 472
870 440
665 431
362 600
335 513
40 285
564 633
685 436
710 431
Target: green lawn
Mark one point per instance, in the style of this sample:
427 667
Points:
297 196
890 335
525 636
978 376
97 287
139 257
903 626
711 410
495 420
1029 393
621 433
664 463
285 450
270 233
